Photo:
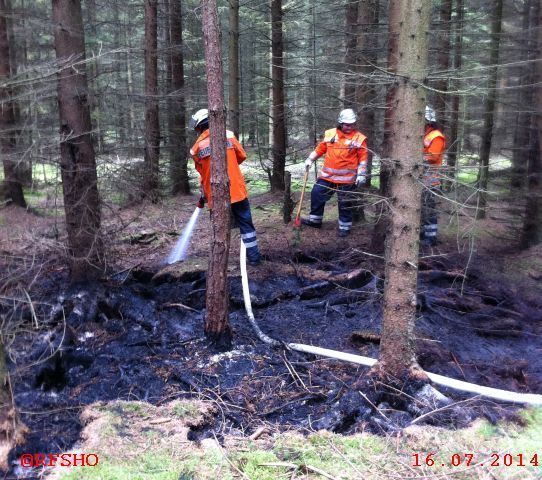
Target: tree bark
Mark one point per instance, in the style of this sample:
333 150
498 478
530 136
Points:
13 189
397 354
522 134
152 123
443 62
532 226
94 74
288 203
132 135
394 21
350 54
7 420
367 47
454 140
311 118
77 162
233 72
489 110
253 134
277 78
121 124
18 56
178 140
217 327
12 431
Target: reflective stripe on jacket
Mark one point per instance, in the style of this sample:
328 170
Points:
434 144
344 154
235 155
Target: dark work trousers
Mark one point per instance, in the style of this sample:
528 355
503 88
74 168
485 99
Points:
429 227
322 192
242 218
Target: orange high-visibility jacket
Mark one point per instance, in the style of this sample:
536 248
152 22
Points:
344 154
434 144
235 155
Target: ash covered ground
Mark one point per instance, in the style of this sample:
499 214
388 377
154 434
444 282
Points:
139 336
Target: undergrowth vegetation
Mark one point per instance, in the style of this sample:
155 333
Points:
509 450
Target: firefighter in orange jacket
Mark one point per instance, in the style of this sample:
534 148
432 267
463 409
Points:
434 145
235 155
345 168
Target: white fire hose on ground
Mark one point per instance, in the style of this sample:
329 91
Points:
494 393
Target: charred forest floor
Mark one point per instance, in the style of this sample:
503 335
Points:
130 349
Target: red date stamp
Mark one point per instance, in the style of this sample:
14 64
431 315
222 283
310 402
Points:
32 460
468 460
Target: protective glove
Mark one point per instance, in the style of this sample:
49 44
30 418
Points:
308 162
201 202
360 180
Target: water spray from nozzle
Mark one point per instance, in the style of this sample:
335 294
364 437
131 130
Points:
181 247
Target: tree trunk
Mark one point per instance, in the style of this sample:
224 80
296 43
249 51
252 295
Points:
288 203
31 111
454 140
350 54
522 134
364 31
531 233
94 74
24 162
397 354
120 127
12 431
77 162
233 73
253 134
394 22
367 46
277 78
7 419
152 123
178 140
311 118
270 131
532 226
217 327
443 61
132 135
489 115
129 85
13 189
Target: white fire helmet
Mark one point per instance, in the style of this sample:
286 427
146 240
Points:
201 117
347 116
430 114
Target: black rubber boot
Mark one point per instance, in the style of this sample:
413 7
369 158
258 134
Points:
306 221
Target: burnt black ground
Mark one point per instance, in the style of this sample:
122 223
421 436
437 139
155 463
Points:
131 340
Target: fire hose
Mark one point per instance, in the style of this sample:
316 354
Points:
460 385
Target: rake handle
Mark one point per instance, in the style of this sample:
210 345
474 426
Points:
305 178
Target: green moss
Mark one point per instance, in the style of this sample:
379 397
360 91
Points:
149 466
256 186
487 430
135 408
253 464
184 409
467 176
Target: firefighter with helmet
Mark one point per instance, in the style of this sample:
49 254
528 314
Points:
434 145
344 169
235 155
